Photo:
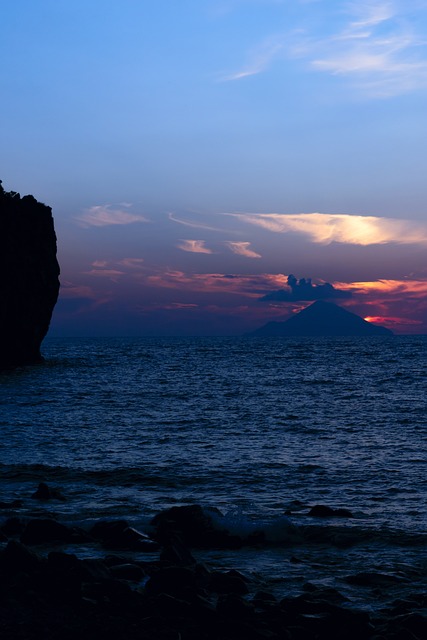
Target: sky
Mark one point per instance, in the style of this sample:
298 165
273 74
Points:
216 164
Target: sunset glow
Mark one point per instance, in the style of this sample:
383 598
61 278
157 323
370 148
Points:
188 181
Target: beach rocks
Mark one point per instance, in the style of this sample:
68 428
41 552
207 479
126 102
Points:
117 534
44 492
55 594
46 530
322 511
194 526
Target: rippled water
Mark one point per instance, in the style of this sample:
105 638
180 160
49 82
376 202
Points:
130 426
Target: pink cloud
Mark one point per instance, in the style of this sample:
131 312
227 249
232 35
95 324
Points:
106 215
242 249
194 246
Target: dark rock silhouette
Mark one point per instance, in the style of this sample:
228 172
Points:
323 319
55 594
29 277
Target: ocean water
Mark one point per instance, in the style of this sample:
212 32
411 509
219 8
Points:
261 429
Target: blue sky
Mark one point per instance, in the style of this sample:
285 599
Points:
196 153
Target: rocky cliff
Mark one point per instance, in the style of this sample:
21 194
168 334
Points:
29 277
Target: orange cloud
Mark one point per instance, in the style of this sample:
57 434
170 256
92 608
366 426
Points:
324 228
415 288
392 321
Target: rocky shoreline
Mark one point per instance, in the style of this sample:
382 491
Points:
48 592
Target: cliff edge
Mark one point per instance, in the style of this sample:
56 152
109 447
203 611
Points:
29 277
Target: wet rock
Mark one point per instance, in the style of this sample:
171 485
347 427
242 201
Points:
93 569
414 623
46 530
177 554
174 581
230 582
234 607
13 527
264 600
44 492
127 571
323 511
193 526
118 534
16 557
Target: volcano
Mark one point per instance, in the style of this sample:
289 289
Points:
323 319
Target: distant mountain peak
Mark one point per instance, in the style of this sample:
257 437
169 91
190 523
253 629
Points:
323 319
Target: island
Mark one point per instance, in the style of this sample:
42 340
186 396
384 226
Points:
322 319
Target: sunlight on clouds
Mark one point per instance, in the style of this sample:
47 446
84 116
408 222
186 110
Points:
392 321
242 249
194 246
250 286
325 228
414 288
105 215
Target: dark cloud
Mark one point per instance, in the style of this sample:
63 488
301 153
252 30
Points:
303 289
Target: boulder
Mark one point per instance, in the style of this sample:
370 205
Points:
193 526
117 534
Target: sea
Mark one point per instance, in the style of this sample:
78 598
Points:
255 430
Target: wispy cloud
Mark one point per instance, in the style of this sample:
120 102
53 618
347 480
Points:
250 286
132 263
193 246
325 228
377 48
259 60
242 249
106 215
389 288
71 290
375 44
192 223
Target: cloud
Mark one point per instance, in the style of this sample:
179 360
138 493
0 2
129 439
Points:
392 321
111 274
260 59
251 286
194 246
376 48
373 43
242 249
324 228
387 288
105 215
193 225
72 290
305 290
132 263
